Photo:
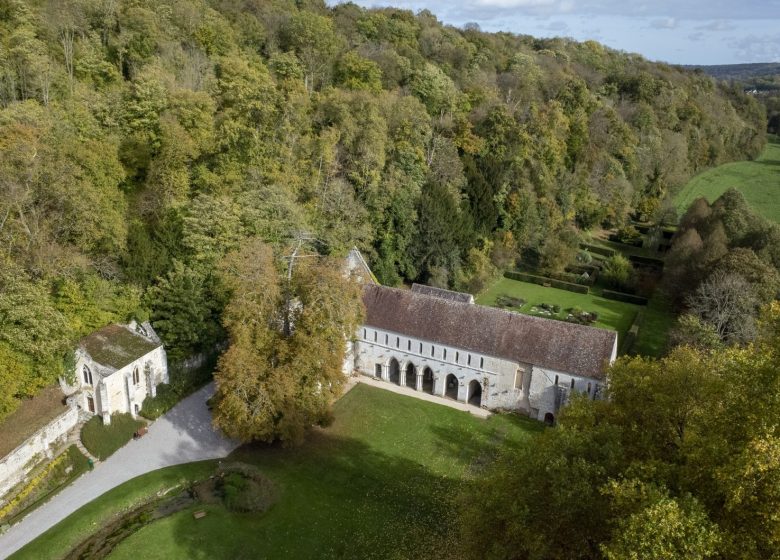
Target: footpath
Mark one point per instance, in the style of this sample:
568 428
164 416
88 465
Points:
182 435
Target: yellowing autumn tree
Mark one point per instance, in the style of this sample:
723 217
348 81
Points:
288 338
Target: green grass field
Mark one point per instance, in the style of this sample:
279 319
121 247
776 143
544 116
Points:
613 315
758 181
379 483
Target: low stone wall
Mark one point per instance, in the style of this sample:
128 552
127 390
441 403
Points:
18 463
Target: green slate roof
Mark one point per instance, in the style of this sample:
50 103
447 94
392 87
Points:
116 346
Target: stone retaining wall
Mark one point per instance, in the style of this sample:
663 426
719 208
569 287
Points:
15 466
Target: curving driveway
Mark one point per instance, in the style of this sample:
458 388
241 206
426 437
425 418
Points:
183 435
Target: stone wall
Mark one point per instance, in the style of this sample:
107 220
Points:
15 466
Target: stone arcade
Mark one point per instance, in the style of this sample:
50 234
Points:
442 343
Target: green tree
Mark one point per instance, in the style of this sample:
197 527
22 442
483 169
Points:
185 310
283 368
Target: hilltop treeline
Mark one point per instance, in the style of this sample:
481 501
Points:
142 140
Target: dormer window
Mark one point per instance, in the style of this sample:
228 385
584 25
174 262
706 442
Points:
87 373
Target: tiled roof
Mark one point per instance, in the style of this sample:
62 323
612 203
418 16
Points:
557 345
115 346
442 293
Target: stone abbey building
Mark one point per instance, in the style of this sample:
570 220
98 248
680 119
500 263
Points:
442 343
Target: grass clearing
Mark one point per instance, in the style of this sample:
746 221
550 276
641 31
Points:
657 320
102 441
379 483
758 181
613 315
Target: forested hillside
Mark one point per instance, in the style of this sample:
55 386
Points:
141 140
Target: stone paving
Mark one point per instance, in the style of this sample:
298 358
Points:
183 435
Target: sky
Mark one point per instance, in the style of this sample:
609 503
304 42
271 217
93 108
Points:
678 32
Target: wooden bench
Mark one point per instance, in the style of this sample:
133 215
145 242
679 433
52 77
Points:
140 432
200 514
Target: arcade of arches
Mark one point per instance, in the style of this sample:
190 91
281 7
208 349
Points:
424 380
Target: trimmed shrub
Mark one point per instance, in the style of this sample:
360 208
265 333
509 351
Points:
509 301
102 441
542 280
627 298
607 252
245 489
647 261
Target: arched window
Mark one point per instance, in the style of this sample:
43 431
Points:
433 350
364 334
409 345
136 376
589 387
374 336
397 341
444 354
387 338
482 363
572 383
421 348
87 375
556 380
457 357
468 361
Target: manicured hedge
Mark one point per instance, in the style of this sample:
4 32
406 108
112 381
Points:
542 280
627 298
652 261
607 252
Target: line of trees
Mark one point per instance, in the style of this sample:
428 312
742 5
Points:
143 140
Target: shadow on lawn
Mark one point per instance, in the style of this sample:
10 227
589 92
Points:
340 498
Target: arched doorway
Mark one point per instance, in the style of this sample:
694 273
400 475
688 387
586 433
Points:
475 393
427 381
549 419
411 376
395 372
451 387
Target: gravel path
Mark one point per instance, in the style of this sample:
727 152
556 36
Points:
183 435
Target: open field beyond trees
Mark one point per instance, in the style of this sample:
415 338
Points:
758 181
381 482
613 315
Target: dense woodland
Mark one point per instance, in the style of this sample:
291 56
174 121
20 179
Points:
142 141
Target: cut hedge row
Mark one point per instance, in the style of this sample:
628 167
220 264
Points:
627 298
544 281
651 261
607 252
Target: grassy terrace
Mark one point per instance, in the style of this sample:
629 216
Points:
32 415
613 315
379 483
758 181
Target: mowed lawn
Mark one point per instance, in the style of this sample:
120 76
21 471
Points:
381 482
613 315
758 181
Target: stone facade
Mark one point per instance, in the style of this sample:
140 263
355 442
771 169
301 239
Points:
442 343
117 367
467 376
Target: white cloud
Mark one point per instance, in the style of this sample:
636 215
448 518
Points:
717 25
757 48
664 23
